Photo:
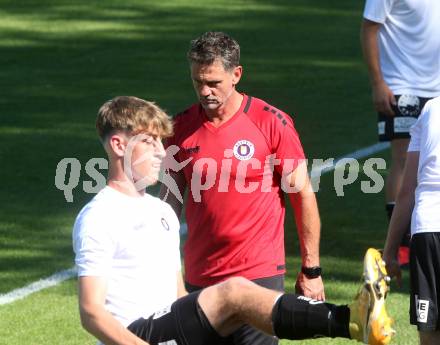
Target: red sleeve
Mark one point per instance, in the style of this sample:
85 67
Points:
286 145
280 133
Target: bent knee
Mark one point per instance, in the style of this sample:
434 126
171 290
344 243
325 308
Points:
233 289
236 284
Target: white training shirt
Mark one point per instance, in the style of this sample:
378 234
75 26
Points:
409 44
425 138
132 242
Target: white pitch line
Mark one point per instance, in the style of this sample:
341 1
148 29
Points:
61 276
359 154
41 284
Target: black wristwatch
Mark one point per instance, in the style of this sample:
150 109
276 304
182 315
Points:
311 272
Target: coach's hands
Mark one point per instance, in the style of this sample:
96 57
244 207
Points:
312 288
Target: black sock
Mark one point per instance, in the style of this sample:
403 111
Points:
298 317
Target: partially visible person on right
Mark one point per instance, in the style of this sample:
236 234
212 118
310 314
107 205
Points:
418 204
401 46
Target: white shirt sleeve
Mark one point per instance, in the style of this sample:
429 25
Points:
93 246
378 10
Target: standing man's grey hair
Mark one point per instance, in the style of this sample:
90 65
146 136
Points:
211 46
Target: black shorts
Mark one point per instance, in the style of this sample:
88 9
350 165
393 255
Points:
406 111
182 323
247 335
425 281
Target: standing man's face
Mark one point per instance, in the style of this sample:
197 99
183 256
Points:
213 84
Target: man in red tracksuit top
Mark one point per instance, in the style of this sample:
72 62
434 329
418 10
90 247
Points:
236 155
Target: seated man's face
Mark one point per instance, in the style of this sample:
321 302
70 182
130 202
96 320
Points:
143 158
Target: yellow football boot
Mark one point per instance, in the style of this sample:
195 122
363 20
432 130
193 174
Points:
369 320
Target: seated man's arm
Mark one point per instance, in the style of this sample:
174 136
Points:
96 319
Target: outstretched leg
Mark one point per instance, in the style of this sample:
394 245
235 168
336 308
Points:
238 301
204 317
288 316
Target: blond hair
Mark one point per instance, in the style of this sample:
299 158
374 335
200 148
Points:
132 115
